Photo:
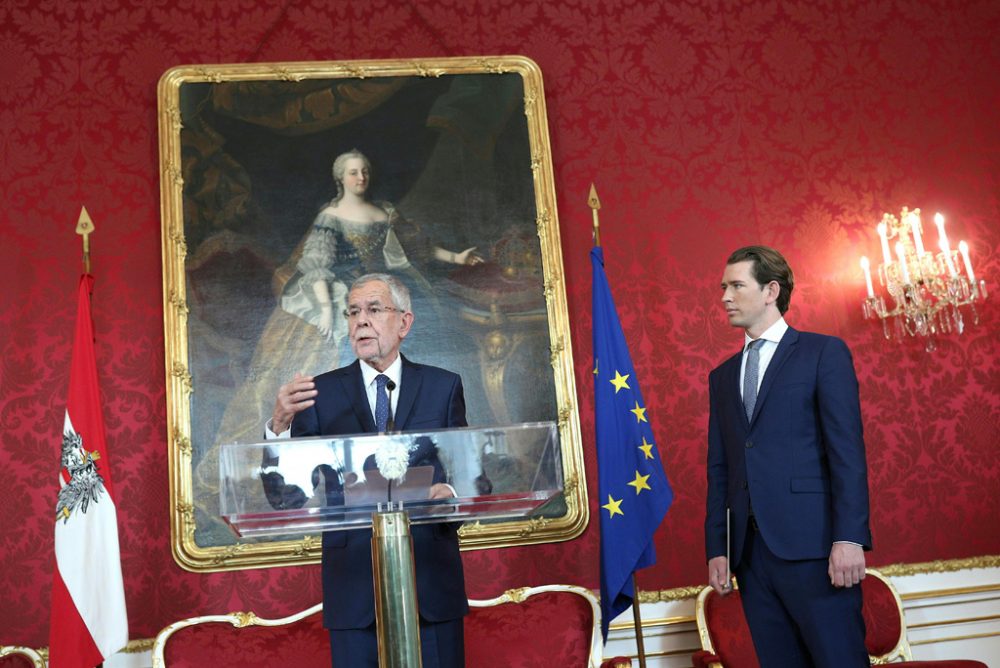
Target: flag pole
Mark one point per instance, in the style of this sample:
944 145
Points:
637 623
595 204
84 226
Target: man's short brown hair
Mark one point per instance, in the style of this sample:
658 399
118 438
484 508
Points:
768 265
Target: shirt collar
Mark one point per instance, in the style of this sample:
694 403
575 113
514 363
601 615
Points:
772 333
394 371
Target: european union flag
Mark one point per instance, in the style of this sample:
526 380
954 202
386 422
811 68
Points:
633 489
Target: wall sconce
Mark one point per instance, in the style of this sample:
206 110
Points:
926 288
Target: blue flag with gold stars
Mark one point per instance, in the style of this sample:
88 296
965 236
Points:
633 490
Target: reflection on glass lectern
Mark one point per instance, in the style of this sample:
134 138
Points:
308 485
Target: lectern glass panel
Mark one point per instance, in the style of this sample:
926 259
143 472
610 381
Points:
309 485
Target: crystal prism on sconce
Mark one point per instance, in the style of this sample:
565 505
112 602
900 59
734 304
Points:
927 289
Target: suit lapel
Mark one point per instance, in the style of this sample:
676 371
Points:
354 389
410 380
731 383
785 348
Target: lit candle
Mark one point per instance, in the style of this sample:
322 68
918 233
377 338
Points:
886 255
963 248
947 257
942 237
868 276
901 254
917 240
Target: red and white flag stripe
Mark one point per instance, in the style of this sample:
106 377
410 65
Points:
89 621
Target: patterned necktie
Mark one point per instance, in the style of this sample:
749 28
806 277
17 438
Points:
381 403
750 377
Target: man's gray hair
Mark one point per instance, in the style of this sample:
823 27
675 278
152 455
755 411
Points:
397 289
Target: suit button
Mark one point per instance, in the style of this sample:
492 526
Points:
749 444
745 486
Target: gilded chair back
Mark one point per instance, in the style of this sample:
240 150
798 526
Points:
726 643
210 640
549 625
12 656
723 631
885 626
531 626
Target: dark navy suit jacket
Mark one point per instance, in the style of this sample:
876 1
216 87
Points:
799 462
429 398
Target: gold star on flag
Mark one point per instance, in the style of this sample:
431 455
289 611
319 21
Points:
647 448
620 381
596 364
613 506
640 413
640 483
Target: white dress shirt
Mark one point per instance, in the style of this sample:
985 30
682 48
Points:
370 373
771 336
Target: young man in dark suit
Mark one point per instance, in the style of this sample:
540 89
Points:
347 401
787 477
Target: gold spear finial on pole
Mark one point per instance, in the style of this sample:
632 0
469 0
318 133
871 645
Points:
84 226
595 204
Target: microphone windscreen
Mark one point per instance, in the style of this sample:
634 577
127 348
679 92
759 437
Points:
389 385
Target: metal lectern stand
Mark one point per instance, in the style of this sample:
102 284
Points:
292 487
396 620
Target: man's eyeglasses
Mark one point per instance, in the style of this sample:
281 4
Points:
372 311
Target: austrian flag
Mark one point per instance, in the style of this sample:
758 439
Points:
89 622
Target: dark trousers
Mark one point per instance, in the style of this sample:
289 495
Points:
442 645
796 617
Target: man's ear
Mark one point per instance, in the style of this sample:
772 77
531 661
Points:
407 324
772 291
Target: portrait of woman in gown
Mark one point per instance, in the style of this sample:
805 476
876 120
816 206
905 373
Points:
260 250
351 236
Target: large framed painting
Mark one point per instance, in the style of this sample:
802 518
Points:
458 158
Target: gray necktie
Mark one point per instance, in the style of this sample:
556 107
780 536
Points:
750 377
381 403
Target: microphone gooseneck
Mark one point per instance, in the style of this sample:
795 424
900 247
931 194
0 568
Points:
391 423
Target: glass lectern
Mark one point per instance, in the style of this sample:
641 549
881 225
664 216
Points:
387 482
310 485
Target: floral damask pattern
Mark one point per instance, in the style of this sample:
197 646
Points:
705 125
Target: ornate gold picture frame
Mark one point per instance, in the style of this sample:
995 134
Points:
460 159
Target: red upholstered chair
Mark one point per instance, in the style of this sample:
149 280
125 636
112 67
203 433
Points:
20 657
885 627
551 625
297 640
726 643
617 662
723 631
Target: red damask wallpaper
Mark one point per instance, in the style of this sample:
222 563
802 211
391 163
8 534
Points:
705 124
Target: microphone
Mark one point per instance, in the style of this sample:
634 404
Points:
390 425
